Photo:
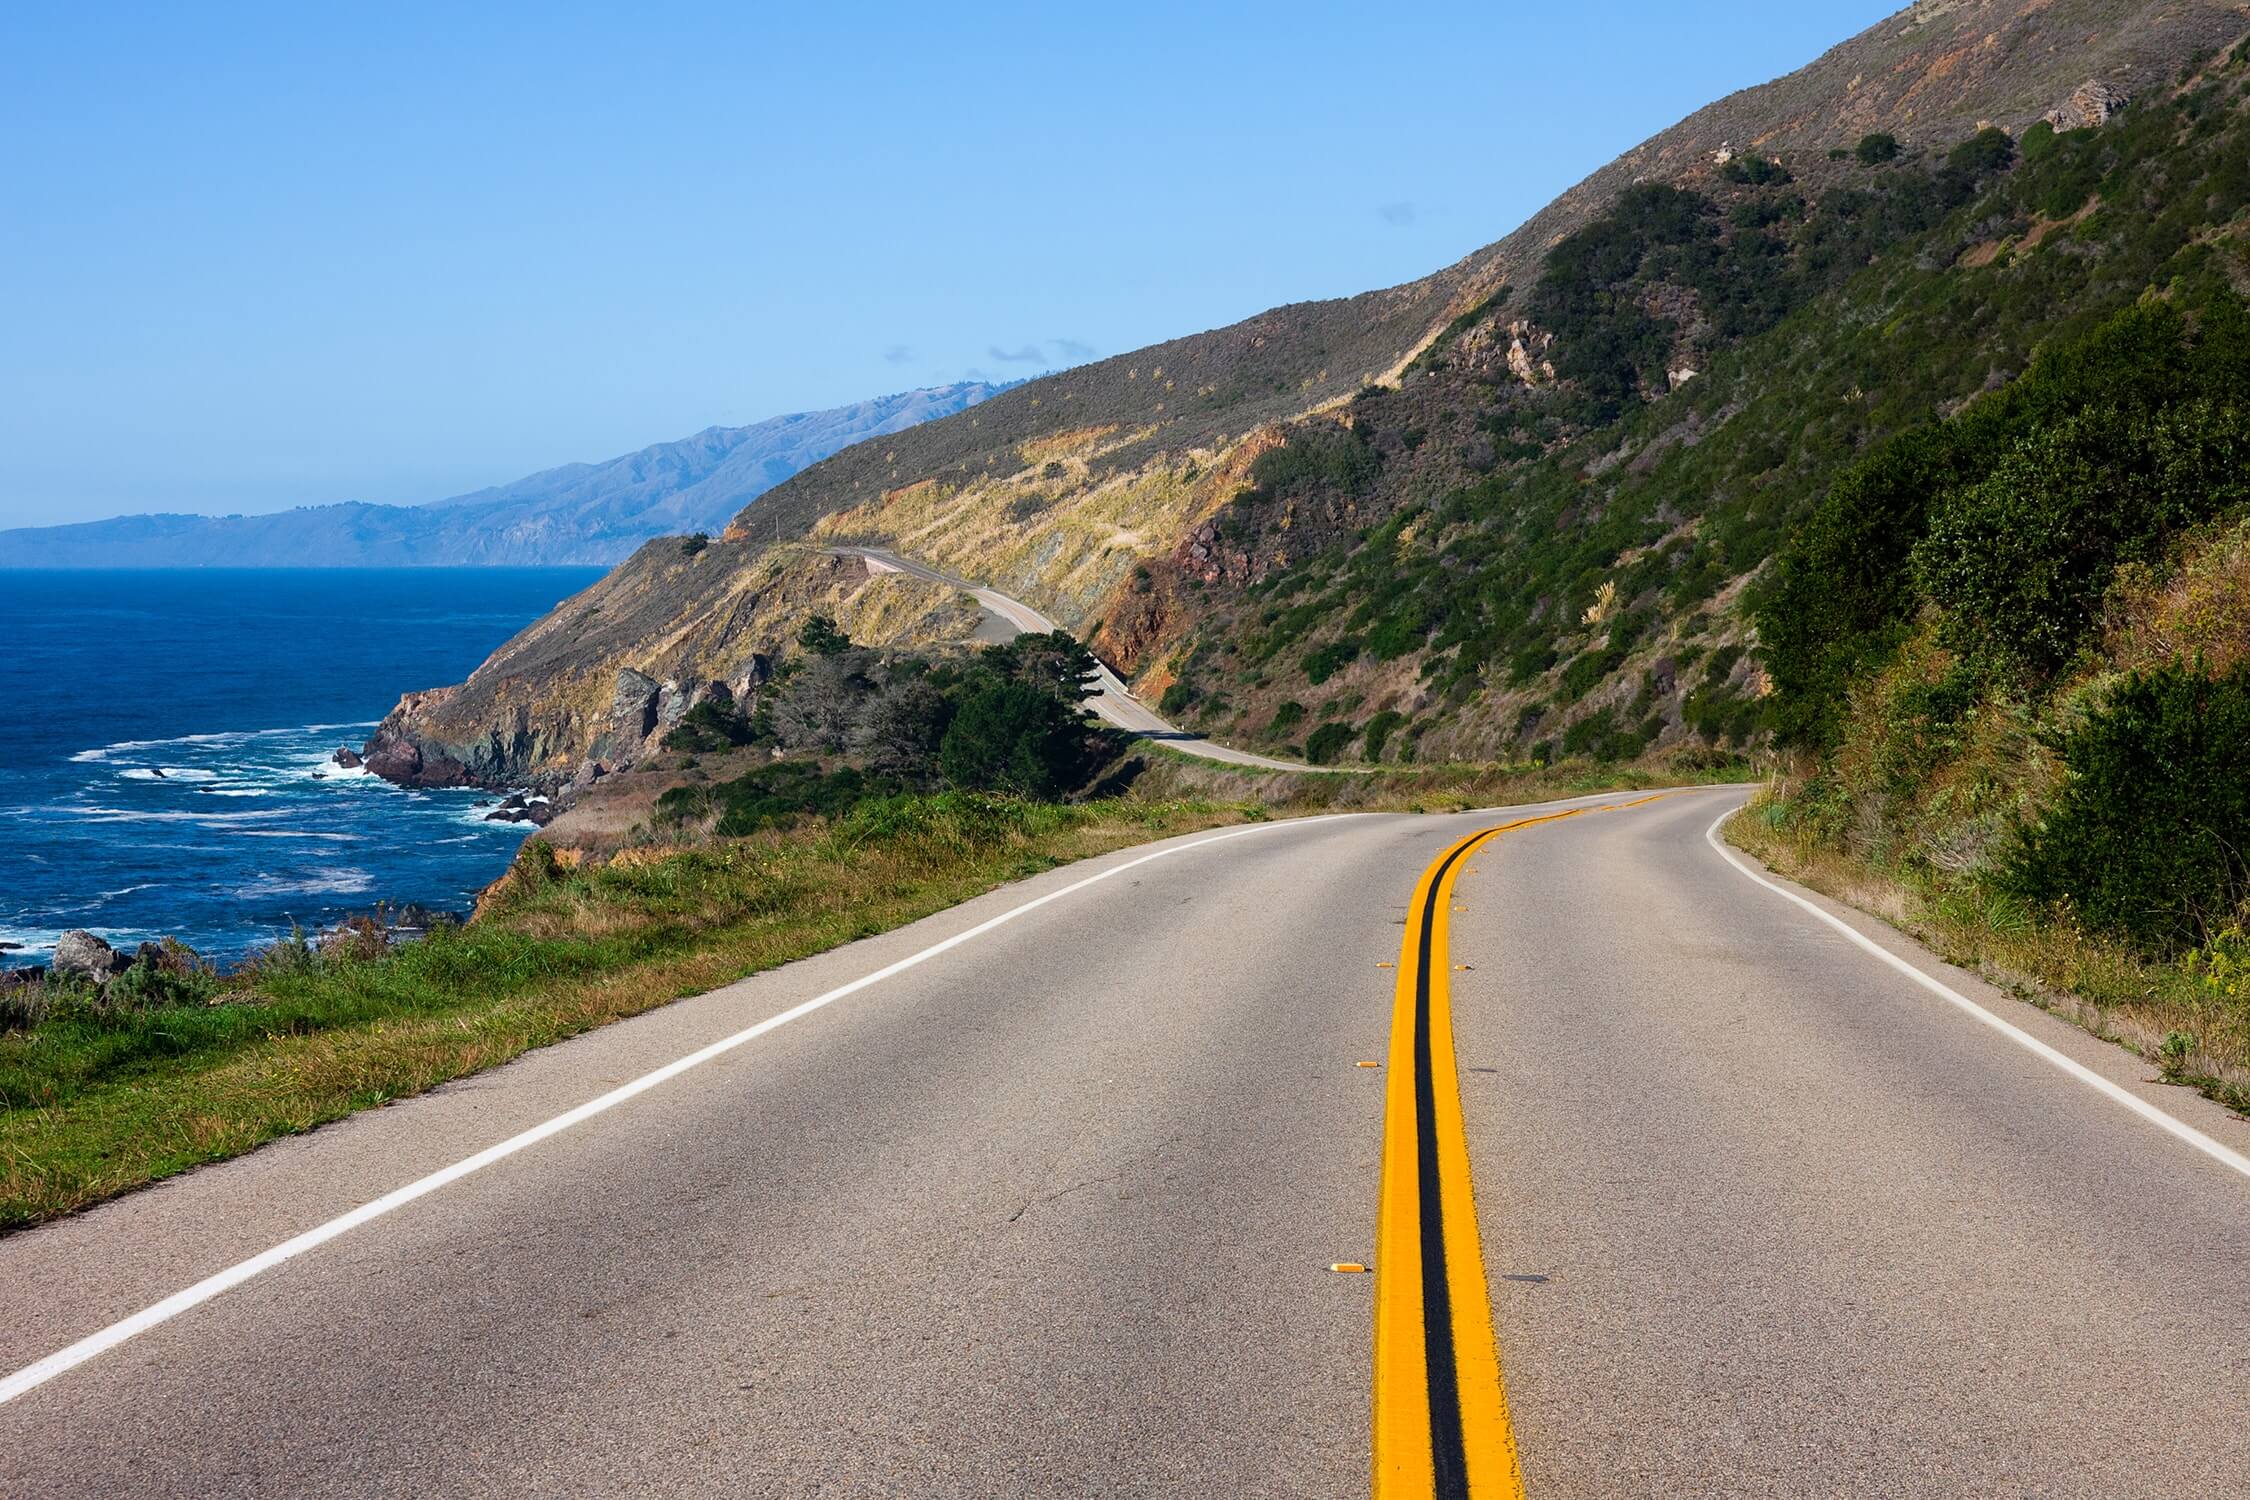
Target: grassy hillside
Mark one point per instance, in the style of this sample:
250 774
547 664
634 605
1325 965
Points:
1568 562
1427 544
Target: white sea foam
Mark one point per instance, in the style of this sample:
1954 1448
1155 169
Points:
340 882
224 737
188 774
129 815
292 833
229 737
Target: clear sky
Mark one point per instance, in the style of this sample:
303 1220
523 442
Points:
258 257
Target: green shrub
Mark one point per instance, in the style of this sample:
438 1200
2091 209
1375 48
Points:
1379 731
1843 587
1989 150
2149 836
1873 150
1757 171
1014 737
708 728
1320 455
772 796
1589 670
1325 745
2020 560
1330 659
1286 718
821 637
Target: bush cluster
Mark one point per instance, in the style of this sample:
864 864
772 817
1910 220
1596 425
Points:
1007 719
2150 837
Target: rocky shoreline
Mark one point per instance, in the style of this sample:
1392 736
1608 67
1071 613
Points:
168 970
531 758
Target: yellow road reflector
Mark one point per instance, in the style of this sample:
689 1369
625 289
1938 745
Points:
1347 1265
1368 1065
1386 966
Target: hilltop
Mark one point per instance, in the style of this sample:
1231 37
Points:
582 513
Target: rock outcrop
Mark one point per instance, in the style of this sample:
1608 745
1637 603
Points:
2092 103
81 955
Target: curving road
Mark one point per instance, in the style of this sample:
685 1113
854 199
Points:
1040 1196
1005 618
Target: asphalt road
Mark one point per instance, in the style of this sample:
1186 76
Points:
1006 618
1052 1213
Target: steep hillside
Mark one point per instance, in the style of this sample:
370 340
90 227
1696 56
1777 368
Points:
1402 509
576 514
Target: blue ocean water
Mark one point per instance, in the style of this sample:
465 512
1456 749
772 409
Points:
165 744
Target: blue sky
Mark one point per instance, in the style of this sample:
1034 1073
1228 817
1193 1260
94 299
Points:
258 257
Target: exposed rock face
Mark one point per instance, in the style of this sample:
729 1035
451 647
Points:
634 705
346 757
81 955
2091 103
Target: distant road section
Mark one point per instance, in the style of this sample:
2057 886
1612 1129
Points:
1006 618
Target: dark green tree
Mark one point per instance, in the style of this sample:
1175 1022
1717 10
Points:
821 637
1014 737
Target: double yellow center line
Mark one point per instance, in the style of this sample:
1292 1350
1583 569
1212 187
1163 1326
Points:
1441 1411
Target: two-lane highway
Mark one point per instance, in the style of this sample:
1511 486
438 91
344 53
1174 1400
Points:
1051 1210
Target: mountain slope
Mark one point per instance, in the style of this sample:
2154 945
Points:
1510 420
576 514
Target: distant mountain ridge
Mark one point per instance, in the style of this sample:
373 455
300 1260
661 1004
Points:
582 513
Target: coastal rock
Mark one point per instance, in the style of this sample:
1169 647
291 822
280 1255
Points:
347 758
81 955
537 811
396 758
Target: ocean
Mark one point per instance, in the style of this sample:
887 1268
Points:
165 748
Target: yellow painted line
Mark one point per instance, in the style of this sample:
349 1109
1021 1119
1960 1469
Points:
1441 1424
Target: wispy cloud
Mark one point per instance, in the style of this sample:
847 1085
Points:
1053 351
897 354
1397 215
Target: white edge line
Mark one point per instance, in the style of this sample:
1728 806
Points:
2218 1151
34 1375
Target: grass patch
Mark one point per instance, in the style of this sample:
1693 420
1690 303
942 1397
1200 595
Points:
93 1104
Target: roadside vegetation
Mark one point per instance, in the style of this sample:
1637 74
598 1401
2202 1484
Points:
108 1091
2011 655
1551 537
861 790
